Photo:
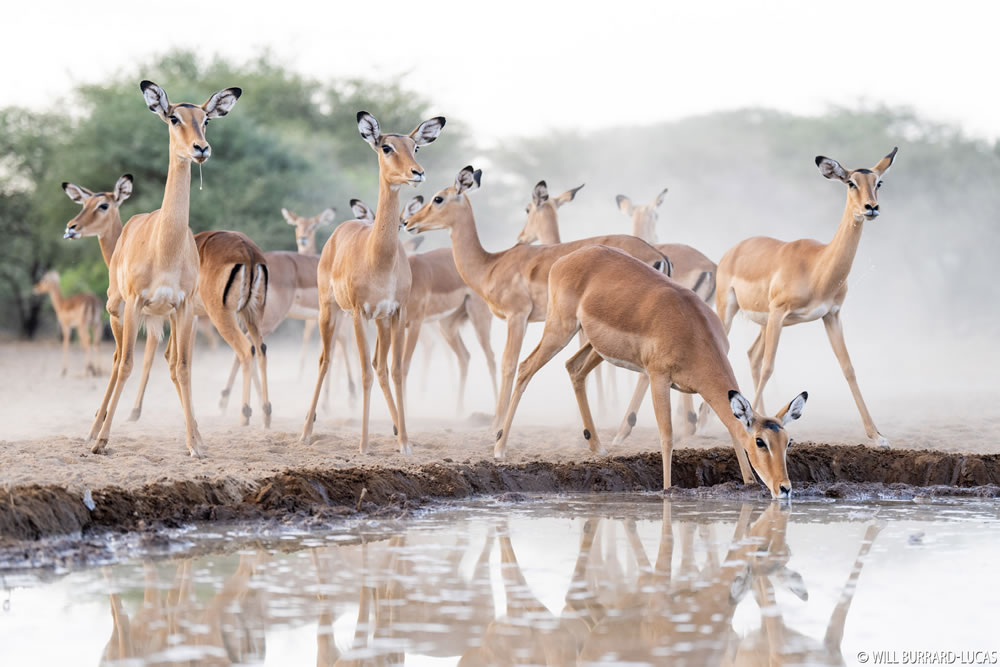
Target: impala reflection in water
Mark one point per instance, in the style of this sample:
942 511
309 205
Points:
565 581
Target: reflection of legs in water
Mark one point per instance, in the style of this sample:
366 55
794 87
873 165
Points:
327 653
583 610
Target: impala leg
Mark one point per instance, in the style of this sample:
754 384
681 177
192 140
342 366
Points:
265 401
367 377
516 325
228 326
345 347
556 336
772 332
579 367
660 389
83 331
409 347
687 416
835 332
130 328
835 628
482 322
307 332
726 306
756 356
67 333
397 334
380 360
327 329
182 334
641 385
149 353
449 331
102 411
224 396
598 378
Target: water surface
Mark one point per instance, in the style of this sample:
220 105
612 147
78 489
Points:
586 580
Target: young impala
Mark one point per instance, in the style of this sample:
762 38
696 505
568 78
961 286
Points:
81 312
664 331
363 269
777 284
154 270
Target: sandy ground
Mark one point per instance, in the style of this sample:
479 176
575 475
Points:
45 419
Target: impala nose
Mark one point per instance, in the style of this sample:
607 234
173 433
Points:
871 211
784 490
201 153
417 175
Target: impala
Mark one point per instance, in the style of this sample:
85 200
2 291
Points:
664 331
777 284
154 269
363 269
81 312
513 282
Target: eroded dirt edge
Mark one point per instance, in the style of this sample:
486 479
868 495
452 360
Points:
32 512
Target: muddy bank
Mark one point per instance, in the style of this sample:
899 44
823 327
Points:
32 512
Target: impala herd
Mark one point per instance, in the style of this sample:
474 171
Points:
634 302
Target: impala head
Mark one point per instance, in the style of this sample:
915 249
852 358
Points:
100 209
445 207
49 281
305 228
188 122
772 553
643 217
397 160
862 184
543 221
767 441
362 211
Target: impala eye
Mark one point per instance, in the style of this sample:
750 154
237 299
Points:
416 149
438 200
174 120
103 207
386 148
761 443
790 441
878 185
205 123
851 185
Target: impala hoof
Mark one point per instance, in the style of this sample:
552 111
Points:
882 441
406 450
100 447
134 416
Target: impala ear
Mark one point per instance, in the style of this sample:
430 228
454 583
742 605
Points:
221 103
289 217
327 216
660 197
567 196
361 210
793 410
624 204
468 179
794 582
886 162
412 207
540 194
156 99
741 408
76 193
369 128
123 188
428 131
831 169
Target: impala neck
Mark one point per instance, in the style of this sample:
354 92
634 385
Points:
310 248
838 257
109 240
549 235
175 211
471 259
55 293
383 241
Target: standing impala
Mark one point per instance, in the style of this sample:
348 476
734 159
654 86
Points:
778 284
364 270
81 312
513 282
154 269
664 331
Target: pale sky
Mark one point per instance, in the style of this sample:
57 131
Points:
517 67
